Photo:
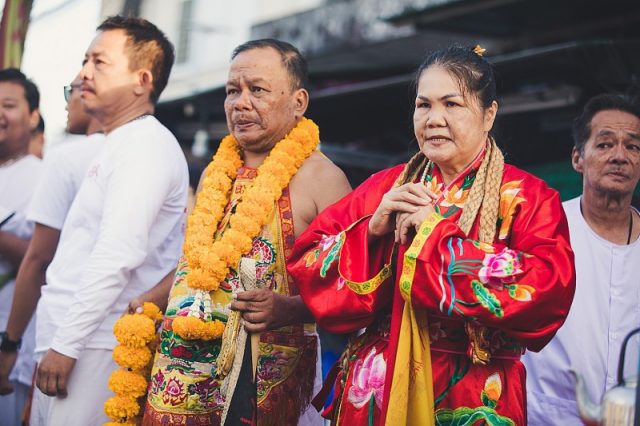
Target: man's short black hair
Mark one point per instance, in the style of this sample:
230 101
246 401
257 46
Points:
31 93
292 59
604 102
148 47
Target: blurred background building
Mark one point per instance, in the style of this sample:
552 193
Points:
550 56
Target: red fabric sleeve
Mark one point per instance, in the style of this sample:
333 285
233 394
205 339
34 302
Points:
334 250
523 285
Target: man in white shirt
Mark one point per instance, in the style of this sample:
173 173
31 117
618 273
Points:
124 229
19 173
64 168
604 230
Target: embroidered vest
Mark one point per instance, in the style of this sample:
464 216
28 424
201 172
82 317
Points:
183 387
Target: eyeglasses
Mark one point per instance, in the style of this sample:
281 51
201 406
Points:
68 90
67 93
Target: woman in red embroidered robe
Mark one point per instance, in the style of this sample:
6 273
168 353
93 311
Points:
455 264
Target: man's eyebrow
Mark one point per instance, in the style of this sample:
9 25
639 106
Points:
605 132
252 80
635 136
257 80
608 132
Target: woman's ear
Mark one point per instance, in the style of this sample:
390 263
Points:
490 116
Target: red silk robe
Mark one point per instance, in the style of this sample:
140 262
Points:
518 289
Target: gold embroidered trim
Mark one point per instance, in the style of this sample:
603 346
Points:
410 256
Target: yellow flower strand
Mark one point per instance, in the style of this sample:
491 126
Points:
209 261
134 333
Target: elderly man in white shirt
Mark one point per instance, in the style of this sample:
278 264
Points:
604 230
124 229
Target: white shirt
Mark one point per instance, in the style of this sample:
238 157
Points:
17 184
65 166
605 308
123 234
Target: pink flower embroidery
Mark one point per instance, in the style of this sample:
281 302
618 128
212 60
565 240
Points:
499 269
368 380
329 240
174 393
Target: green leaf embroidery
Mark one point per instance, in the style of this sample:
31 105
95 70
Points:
487 299
451 211
488 402
465 416
468 181
332 256
458 374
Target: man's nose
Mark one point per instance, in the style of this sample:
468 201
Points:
243 100
86 70
619 153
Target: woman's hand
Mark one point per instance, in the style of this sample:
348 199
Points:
409 223
408 198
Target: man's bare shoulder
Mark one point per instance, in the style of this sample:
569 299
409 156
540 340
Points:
318 168
322 181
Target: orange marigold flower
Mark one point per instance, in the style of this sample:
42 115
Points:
121 408
251 227
212 330
197 278
151 311
228 255
134 330
133 358
239 240
127 383
189 328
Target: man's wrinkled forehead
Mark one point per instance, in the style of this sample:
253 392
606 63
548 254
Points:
263 63
612 122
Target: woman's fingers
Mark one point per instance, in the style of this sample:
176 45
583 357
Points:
407 198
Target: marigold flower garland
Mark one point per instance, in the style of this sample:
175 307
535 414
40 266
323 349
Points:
135 333
209 261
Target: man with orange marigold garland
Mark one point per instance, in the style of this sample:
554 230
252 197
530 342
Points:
264 186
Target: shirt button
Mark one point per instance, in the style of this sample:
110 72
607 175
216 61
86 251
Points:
614 336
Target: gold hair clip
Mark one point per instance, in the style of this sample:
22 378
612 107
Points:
479 50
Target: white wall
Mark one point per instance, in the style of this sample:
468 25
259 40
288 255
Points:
59 34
